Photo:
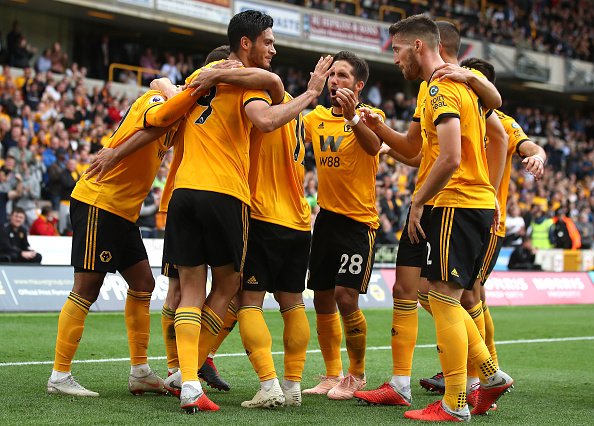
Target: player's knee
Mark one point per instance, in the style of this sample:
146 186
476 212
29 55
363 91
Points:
468 300
404 290
347 300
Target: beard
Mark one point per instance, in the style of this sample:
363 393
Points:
412 70
258 61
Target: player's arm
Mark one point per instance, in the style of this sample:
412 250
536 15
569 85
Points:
248 78
496 150
411 162
164 115
534 157
165 86
486 91
407 145
268 118
107 158
369 141
448 160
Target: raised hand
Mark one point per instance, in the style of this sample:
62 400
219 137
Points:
317 79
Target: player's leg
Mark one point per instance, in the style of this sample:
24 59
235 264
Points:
356 247
323 266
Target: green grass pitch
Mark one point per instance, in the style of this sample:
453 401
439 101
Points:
554 379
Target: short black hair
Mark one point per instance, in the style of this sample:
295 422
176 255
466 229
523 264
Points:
218 54
18 210
250 24
417 26
481 65
449 37
360 67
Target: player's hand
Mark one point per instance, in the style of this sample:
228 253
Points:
534 165
452 72
28 254
348 102
384 149
207 78
370 118
496 216
414 223
317 79
105 161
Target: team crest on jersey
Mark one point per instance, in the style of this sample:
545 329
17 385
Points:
156 99
433 90
105 256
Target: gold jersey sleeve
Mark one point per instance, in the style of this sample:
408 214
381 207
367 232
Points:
420 101
515 136
469 186
346 173
178 150
122 190
216 142
276 175
428 155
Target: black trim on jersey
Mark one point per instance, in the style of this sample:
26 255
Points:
335 115
147 110
256 99
445 115
416 119
488 114
518 148
431 77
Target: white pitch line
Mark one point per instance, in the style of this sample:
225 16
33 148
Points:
312 351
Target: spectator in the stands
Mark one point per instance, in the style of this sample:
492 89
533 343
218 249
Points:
586 229
148 60
22 54
14 245
46 223
564 233
12 40
44 61
515 227
170 70
8 193
523 256
59 59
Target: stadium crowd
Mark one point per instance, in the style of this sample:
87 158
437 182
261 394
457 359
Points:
52 125
551 26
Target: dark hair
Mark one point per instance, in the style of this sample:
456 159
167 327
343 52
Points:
18 210
218 54
250 24
481 65
417 26
360 67
449 37
45 210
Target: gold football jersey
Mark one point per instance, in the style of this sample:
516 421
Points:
122 190
469 186
346 173
276 175
216 142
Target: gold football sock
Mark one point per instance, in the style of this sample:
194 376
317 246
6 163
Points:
257 341
167 318
138 324
295 340
211 326
187 335
490 334
478 354
405 325
424 301
476 313
329 338
228 325
71 324
355 331
452 346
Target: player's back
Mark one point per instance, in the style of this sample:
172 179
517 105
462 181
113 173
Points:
123 189
276 175
216 142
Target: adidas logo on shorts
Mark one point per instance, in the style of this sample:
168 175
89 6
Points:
252 280
455 273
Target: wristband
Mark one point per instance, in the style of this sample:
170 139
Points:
539 158
354 121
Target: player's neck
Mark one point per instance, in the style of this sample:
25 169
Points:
239 57
428 66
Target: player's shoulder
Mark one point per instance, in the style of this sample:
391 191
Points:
319 112
372 108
